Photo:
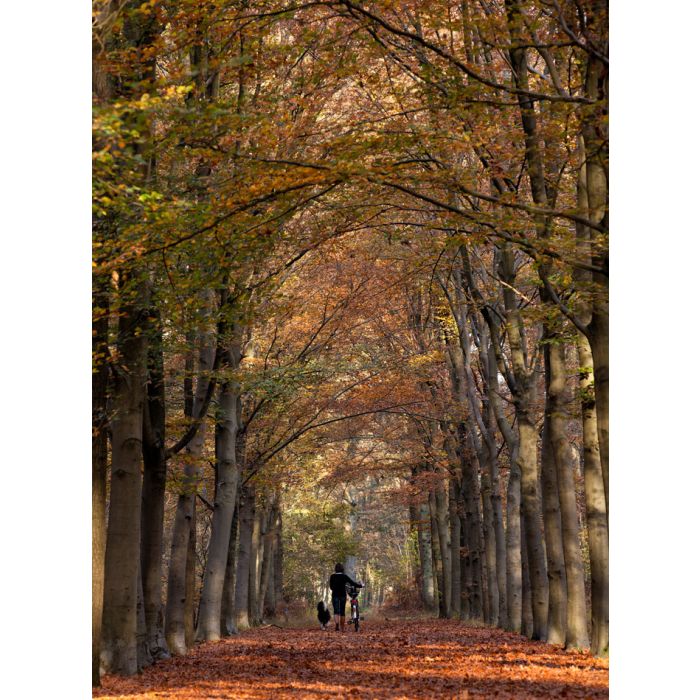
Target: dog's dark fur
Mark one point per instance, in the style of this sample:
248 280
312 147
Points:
324 616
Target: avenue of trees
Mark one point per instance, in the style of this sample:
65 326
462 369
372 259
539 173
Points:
350 268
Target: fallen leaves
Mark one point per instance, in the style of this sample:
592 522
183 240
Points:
400 659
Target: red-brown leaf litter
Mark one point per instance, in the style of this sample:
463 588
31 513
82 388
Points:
398 659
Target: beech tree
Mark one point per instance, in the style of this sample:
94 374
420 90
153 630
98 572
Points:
349 259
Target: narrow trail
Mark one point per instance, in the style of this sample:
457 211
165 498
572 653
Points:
398 659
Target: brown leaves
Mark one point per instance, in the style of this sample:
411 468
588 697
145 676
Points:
398 659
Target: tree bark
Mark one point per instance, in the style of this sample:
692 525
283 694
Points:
254 569
470 495
190 580
556 571
227 477
443 522
523 389
279 561
143 653
532 506
100 380
243 559
270 601
425 556
180 598
119 620
438 577
527 623
268 540
576 615
456 564
596 515
228 618
153 500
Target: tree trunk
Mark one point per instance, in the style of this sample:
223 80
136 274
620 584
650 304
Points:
119 621
514 565
143 653
489 535
228 618
443 523
254 569
532 507
598 338
466 575
576 616
556 571
266 567
100 379
594 133
270 601
191 579
180 596
209 622
596 516
279 561
153 500
470 495
425 556
456 564
527 622
243 559
438 578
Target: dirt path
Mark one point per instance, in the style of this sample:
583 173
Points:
402 659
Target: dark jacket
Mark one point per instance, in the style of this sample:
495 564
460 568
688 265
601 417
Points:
337 583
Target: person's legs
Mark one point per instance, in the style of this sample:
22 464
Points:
337 611
342 623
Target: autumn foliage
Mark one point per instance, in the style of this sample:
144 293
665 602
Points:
408 659
350 304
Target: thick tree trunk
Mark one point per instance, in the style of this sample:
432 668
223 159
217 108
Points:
143 653
456 564
527 622
438 578
270 600
443 523
153 501
254 569
470 495
180 597
243 558
532 507
191 580
556 571
119 620
596 516
425 556
598 338
268 540
489 535
100 379
227 475
594 133
514 565
228 618
576 616
466 576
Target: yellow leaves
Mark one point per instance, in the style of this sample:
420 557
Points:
424 359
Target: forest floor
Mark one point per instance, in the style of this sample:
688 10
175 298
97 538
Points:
389 659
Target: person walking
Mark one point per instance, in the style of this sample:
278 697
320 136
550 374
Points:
337 583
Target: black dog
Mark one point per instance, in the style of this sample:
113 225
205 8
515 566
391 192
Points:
324 617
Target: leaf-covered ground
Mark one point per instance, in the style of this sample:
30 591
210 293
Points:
398 659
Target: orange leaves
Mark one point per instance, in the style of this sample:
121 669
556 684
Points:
407 659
